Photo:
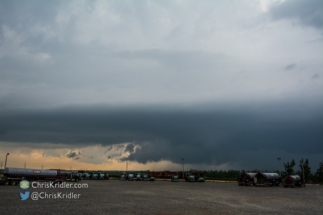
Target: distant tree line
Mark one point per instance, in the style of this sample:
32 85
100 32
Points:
316 177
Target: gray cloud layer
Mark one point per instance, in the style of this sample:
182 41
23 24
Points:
308 13
60 53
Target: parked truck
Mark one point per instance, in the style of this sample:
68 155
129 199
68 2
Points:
190 178
130 177
13 176
195 176
246 178
138 177
103 176
181 175
175 178
86 176
72 176
293 181
267 179
145 177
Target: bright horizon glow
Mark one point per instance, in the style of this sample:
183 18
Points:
49 159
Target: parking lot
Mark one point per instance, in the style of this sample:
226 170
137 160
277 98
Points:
165 197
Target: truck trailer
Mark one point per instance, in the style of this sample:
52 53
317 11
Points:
13 176
246 178
293 181
267 179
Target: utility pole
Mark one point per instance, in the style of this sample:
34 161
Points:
183 167
280 172
126 166
303 171
1 165
42 166
25 165
5 163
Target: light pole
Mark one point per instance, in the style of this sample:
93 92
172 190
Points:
280 173
5 163
183 167
303 170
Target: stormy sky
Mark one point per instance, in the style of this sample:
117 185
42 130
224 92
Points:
222 84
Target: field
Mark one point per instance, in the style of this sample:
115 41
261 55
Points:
165 197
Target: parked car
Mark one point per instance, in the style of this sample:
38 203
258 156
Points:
152 178
200 179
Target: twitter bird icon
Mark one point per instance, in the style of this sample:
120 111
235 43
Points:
24 196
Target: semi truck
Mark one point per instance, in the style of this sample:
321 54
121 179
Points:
99 176
73 176
103 176
145 177
246 178
130 177
195 176
175 178
12 176
138 177
267 179
293 181
169 174
190 178
86 175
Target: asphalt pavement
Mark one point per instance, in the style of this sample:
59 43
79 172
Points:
163 197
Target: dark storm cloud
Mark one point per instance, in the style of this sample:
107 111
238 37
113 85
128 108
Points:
73 155
309 12
290 66
210 135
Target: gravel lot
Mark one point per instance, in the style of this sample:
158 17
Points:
165 197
